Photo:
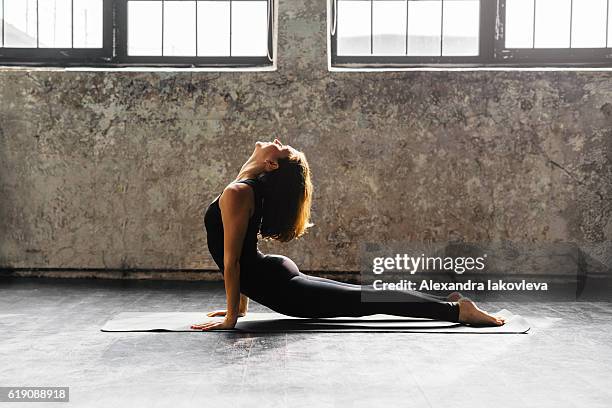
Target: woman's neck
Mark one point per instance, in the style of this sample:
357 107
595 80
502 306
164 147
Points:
250 169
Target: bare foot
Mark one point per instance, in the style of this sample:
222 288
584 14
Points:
471 314
454 297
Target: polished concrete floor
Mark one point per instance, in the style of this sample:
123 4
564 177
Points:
50 337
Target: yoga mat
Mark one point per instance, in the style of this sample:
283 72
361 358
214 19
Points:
278 323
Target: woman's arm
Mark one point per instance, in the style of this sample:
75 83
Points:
244 304
235 203
235 212
242 309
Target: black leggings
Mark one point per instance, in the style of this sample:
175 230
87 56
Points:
276 282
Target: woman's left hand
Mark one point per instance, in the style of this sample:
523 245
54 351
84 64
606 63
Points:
219 325
223 313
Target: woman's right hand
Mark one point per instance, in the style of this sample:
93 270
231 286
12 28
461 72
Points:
222 313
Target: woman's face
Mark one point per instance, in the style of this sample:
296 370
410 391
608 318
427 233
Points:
272 151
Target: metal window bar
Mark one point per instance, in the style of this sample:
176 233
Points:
270 14
163 7
406 46
571 21
230 27
607 21
37 35
334 18
535 2
441 26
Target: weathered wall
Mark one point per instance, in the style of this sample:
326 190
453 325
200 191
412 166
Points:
114 170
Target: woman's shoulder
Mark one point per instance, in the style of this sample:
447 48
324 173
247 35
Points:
242 189
250 181
254 183
237 196
238 188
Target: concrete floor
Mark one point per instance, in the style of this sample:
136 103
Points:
50 336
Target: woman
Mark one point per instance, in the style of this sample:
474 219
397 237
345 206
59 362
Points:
272 196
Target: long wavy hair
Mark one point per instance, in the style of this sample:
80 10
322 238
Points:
287 198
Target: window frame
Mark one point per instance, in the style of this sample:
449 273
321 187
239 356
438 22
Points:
115 33
555 57
492 50
31 56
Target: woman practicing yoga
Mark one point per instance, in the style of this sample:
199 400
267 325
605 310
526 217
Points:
272 196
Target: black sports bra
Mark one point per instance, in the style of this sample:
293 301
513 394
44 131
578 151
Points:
214 228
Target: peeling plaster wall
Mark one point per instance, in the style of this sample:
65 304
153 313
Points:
114 170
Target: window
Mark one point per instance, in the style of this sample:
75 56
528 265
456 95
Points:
400 33
180 33
556 31
39 31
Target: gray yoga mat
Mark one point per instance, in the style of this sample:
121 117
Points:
278 323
